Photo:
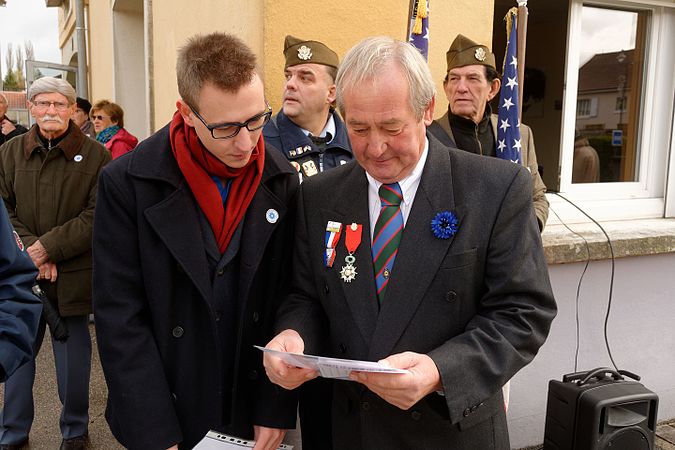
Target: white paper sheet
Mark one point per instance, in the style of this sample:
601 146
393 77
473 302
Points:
331 367
219 441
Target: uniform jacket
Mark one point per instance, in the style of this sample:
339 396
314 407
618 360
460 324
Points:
283 134
156 322
122 142
19 309
479 303
19 129
442 131
60 212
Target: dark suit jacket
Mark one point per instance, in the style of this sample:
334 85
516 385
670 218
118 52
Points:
157 320
479 304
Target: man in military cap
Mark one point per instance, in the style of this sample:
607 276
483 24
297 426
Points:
307 129
471 82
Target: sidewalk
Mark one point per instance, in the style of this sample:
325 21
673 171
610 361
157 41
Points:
45 434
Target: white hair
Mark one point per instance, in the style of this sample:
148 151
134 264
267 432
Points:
366 61
46 85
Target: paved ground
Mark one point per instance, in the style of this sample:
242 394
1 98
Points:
45 434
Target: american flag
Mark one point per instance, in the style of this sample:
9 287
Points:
420 39
508 127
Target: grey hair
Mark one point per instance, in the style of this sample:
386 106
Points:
3 99
370 57
46 85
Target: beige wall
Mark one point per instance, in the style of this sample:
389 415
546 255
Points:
101 50
174 21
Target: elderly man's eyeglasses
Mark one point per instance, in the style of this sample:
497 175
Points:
59 106
228 130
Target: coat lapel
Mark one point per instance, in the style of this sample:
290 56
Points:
360 292
258 229
420 252
181 233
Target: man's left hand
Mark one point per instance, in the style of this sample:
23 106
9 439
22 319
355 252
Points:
38 253
403 390
267 438
7 127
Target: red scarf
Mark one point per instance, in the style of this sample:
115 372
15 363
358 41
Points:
198 164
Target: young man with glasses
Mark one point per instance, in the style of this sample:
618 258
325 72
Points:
192 250
48 184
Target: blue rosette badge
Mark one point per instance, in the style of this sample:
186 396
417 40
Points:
444 225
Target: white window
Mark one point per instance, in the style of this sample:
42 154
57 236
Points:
621 54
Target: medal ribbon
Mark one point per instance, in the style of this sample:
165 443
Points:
353 237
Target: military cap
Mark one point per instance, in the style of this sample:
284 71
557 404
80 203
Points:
465 52
298 51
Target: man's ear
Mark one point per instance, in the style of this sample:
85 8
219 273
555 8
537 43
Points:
331 95
428 116
494 88
186 112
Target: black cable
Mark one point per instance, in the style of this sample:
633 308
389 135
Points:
611 280
581 279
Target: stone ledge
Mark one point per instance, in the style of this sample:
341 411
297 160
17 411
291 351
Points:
629 238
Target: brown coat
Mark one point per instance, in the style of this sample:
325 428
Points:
50 196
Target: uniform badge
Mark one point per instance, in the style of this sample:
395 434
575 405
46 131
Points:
305 53
309 168
78 158
333 231
352 241
296 165
272 215
480 54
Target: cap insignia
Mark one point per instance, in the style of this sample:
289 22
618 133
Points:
480 54
304 53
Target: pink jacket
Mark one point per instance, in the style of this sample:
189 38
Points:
122 142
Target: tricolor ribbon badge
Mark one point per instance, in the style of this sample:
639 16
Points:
333 231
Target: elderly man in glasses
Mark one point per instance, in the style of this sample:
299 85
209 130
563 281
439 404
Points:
48 184
192 247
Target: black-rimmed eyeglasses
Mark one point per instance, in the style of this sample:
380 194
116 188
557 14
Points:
228 130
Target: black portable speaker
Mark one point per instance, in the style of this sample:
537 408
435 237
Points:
600 410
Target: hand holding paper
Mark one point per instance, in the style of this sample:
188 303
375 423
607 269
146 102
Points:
403 391
285 374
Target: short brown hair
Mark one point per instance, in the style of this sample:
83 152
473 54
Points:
114 110
218 58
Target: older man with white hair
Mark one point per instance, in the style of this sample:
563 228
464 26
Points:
48 184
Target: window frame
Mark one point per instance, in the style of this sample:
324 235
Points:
649 196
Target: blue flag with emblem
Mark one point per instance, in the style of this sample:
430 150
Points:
419 27
508 126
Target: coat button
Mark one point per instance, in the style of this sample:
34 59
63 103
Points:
416 415
253 375
343 348
325 288
220 272
173 395
178 332
467 411
365 406
451 296
256 317
218 315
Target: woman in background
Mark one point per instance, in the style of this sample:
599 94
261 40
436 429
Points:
108 119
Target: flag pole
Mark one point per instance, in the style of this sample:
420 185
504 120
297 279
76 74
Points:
522 37
411 17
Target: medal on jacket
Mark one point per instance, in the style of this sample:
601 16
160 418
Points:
352 241
333 231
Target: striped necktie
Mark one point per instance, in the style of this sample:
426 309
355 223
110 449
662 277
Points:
387 235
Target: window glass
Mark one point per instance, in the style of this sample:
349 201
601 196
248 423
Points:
609 96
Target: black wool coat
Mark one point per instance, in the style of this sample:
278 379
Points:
156 318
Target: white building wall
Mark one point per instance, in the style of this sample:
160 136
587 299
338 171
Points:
641 335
